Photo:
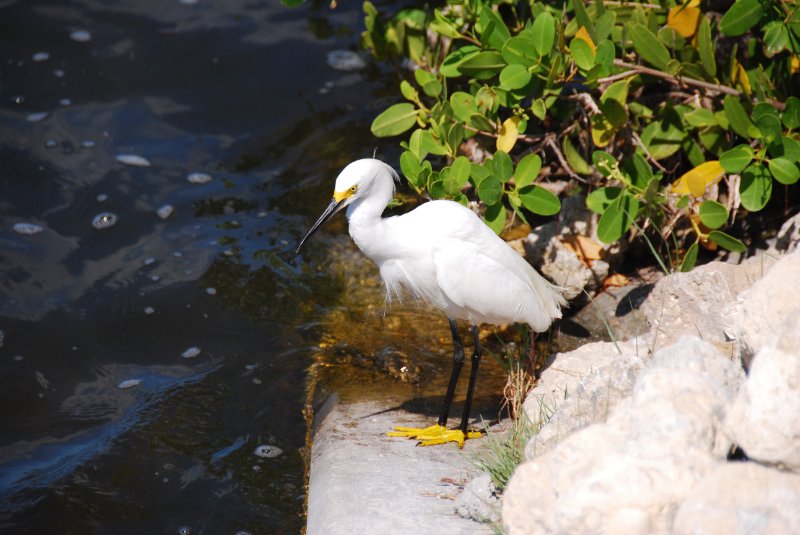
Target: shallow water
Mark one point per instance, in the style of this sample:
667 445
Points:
150 356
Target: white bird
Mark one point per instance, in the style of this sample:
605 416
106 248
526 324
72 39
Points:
442 253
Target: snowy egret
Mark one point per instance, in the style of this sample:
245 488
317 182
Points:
441 253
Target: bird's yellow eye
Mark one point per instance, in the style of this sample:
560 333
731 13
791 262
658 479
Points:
353 188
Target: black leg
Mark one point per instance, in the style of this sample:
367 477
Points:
458 363
473 376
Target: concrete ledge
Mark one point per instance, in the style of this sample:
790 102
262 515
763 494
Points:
363 482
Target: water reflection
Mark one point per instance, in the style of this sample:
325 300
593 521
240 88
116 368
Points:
111 421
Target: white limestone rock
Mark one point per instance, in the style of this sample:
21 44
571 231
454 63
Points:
629 474
764 306
744 498
765 418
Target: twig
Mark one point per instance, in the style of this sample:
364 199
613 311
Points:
638 141
630 4
639 69
550 142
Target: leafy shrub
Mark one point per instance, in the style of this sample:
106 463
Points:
670 114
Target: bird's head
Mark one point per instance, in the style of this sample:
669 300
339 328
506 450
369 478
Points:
362 179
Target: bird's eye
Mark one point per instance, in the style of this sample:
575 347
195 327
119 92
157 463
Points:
353 189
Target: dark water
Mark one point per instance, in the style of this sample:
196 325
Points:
239 90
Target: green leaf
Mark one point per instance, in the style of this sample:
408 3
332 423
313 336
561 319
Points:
755 189
604 162
574 158
671 38
700 117
791 113
603 26
612 103
478 173
538 200
436 188
583 18
736 159
544 33
482 123
713 214
582 53
727 241
740 121
411 167
455 177
770 128
741 16
460 169
648 46
490 190
421 143
638 170
706 47
502 166
495 217
539 109
663 137
394 120
494 32
514 76
463 105
527 170
617 218
604 56
785 147
600 199
784 171
776 38
690 258
408 91
483 65
450 64
442 26
432 88
520 50
486 99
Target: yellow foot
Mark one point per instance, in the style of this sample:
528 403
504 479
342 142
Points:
435 434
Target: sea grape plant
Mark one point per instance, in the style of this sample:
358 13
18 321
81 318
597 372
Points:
668 113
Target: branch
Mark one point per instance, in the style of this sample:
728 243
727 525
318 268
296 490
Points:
550 142
639 69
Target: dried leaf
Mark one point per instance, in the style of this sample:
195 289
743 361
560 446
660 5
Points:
617 280
584 247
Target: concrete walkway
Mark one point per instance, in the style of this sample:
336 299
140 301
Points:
363 482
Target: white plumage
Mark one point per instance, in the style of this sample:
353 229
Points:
442 253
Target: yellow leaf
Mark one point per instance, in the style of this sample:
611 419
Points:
684 20
508 134
740 75
582 33
794 66
696 181
602 130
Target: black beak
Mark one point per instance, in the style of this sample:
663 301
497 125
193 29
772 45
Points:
329 212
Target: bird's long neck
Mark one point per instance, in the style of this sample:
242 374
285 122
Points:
368 230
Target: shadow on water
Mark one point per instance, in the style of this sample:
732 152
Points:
143 364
